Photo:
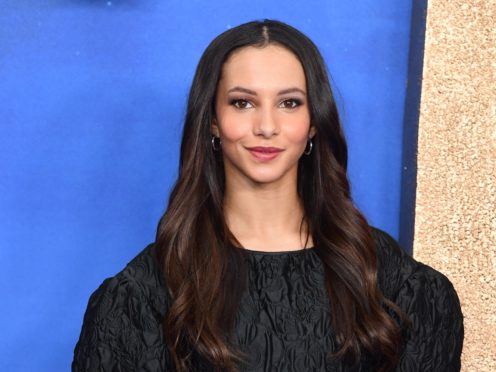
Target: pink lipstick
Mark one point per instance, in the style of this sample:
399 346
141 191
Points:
264 153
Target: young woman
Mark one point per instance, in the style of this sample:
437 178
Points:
261 261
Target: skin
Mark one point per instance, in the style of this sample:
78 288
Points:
261 101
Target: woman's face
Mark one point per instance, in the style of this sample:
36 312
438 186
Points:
262 115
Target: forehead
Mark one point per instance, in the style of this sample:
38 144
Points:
263 66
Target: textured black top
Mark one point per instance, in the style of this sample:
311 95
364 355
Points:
283 322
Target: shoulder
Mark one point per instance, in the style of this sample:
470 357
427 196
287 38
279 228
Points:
397 269
434 335
122 317
394 265
140 279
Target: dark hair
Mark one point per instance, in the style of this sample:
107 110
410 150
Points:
195 247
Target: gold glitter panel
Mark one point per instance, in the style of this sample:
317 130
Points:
455 220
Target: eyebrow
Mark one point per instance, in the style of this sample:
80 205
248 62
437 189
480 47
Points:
253 93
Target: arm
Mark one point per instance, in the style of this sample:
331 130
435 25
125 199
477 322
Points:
120 331
434 339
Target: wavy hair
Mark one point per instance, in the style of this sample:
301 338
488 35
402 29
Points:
202 270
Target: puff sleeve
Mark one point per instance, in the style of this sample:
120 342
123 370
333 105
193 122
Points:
434 337
121 329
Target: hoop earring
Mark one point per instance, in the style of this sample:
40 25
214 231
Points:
216 143
309 146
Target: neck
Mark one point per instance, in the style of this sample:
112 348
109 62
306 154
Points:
266 216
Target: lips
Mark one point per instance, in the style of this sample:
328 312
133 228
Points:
264 153
265 150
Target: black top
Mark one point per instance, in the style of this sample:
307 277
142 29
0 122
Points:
283 323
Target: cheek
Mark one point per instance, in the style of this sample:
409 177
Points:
297 130
234 127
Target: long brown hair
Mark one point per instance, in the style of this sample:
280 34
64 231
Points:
195 247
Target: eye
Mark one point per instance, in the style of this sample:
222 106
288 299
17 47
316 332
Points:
290 103
240 104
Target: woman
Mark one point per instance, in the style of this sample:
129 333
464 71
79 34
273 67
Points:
261 261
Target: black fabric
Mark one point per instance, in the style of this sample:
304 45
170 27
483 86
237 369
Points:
283 323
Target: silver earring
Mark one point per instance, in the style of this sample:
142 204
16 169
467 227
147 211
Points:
309 147
216 143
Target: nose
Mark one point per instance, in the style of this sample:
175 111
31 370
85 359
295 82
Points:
266 125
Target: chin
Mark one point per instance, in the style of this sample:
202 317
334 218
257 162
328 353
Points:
261 173
268 177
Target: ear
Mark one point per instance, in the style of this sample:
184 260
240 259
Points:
312 132
214 128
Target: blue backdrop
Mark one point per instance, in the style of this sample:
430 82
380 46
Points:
92 97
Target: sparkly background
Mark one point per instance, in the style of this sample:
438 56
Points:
455 229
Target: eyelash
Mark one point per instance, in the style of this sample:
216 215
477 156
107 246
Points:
295 103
